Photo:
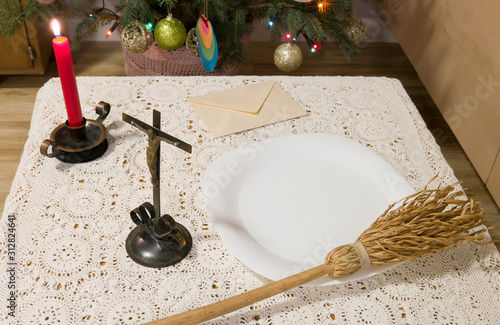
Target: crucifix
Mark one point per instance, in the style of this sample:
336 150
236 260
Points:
158 240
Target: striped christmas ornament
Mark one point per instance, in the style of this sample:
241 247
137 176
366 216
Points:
207 43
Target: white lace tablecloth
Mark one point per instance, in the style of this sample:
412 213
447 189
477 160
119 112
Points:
71 265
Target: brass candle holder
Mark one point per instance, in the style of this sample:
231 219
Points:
79 144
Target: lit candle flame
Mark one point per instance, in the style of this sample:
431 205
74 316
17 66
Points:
55 27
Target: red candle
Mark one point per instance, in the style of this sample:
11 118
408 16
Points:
64 62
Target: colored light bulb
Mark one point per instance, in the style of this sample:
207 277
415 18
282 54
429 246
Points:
112 29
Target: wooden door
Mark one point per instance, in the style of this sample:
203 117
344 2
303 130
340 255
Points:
15 52
28 51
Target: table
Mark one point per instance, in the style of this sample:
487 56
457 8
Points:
71 266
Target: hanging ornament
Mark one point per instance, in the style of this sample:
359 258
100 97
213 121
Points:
136 37
192 43
356 30
207 43
170 33
288 57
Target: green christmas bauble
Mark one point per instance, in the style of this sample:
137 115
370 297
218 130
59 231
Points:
288 57
136 37
170 33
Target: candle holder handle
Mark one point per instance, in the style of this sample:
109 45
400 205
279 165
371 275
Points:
103 110
79 144
49 149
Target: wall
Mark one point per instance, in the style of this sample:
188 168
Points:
454 47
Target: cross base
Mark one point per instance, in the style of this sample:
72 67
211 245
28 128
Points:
147 251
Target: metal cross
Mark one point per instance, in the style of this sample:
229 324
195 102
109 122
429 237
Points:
155 136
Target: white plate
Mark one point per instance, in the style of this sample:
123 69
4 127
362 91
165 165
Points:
281 205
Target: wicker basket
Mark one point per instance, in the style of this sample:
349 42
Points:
159 62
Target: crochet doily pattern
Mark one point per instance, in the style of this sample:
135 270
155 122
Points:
71 266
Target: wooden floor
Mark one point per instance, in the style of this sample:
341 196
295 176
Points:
17 95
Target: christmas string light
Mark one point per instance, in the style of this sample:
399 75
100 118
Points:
322 5
289 37
96 14
271 22
112 29
313 47
103 13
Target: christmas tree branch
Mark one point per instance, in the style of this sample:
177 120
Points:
231 19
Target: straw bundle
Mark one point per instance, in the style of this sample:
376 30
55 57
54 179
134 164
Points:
423 223
426 222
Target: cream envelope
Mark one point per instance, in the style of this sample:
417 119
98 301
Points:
245 108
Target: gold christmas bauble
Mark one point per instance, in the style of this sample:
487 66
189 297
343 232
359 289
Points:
287 57
356 30
170 33
136 37
192 43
